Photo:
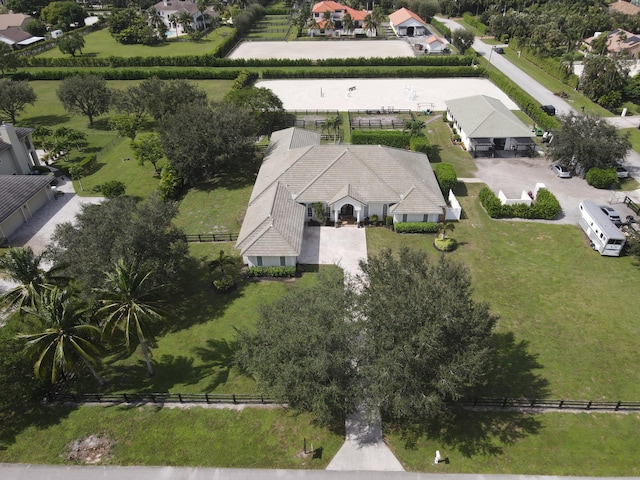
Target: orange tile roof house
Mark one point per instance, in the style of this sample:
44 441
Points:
620 42
624 7
405 23
338 12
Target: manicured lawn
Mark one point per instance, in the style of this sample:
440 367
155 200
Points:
542 444
102 44
251 438
568 307
439 134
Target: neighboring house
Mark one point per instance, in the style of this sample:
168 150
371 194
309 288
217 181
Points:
435 44
624 7
619 42
487 127
338 11
405 23
21 196
299 177
170 11
18 38
17 153
15 20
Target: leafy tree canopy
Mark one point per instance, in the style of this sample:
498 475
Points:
202 141
403 338
85 94
601 76
70 44
15 97
63 14
26 6
167 97
7 58
263 104
120 228
587 141
462 39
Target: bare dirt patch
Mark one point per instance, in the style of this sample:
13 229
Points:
91 450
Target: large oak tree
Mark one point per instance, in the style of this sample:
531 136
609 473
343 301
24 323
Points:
85 94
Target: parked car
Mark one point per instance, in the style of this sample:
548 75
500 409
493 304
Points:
622 172
612 214
499 50
560 170
548 109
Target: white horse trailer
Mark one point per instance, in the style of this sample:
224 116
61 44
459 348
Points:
603 235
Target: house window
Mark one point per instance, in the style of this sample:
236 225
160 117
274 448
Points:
259 261
366 211
404 217
425 218
328 211
283 262
384 210
309 211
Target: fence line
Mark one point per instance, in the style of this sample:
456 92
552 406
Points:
211 237
519 403
249 399
207 398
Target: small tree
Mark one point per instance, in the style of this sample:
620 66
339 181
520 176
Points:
113 188
148 149
71 44
76 172
126 125
85 94
15 97
414 127
8 60
462 39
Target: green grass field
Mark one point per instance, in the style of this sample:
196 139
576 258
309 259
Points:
525 444
102 44
251 438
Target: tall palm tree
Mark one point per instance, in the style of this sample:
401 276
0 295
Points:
186 21
329 24
348 25
371 24
129 305
414 127
334 123
66 340
23 266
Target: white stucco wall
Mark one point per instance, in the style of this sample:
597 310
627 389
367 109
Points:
267 261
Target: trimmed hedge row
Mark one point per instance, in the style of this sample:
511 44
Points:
367 72
131 74
475 23
271 272
442 28
551 65
215 60
525 101
545 207
416 227
446 176
390 138
420 144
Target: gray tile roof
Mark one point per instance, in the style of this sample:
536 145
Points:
482 116
297 169
21 132
16 190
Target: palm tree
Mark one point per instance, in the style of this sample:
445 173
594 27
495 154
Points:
414 127
333 124
328 22
371 24
327 125
186 20
348 24
202 7
221 261
128 304
444 227
23 266
66 341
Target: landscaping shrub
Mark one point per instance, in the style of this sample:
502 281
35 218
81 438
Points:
271 272
112 188
475 23
545 207
446 245
372 72
388 220
416 227
420 144
390 138
602 177
446 176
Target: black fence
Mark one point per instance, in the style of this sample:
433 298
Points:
632 205
211 237
206 398
523 403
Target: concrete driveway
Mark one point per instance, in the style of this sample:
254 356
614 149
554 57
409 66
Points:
344 246
513 175
38 231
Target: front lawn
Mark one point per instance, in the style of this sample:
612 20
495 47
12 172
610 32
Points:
101 44
198 437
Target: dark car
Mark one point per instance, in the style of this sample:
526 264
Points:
499 50
548 109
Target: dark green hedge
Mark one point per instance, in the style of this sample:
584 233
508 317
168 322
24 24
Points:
271 272
442 28
415 227
390 138
546 206
446 175
475 23
131 74
602 177
420 144
364 72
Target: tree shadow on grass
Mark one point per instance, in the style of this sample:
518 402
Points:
30 414
434 154
219 358
47 120
511 373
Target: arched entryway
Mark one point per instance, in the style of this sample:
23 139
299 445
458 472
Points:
346 210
